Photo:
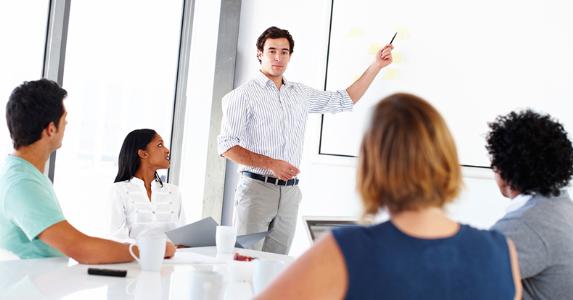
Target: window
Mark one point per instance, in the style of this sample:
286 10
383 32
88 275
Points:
199 98
23 36
120 74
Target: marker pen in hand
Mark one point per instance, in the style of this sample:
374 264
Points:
393 38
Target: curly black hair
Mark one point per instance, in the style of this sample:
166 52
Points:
531 152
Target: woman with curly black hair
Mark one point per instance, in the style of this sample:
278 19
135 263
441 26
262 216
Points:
532 158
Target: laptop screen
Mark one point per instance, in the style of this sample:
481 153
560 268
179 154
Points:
318 226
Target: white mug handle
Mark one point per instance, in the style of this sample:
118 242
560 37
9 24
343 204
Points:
131 252
130 287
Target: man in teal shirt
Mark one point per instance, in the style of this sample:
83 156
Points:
29 206
32 224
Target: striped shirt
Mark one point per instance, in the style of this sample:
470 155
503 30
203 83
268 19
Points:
264 120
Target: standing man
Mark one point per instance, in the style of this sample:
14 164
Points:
263 130
32 224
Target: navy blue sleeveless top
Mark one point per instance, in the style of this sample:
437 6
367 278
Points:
385 263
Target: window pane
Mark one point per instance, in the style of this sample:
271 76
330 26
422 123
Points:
23 36
120 72
198 115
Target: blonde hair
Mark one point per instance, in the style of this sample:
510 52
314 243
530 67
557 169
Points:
408 159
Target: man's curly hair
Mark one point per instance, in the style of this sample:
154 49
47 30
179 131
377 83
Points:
531 152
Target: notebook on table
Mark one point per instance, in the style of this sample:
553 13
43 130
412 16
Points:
202 234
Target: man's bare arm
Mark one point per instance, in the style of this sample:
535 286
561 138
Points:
86 249
359 87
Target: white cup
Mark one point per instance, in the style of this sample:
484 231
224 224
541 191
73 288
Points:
265 272
151 252
240 271
206 285
226 236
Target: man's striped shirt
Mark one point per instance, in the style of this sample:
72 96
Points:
260 118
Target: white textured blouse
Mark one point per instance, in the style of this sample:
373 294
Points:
132 212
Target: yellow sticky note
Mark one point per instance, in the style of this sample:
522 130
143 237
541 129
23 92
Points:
390 74
403 33
397 57
374 47
355 33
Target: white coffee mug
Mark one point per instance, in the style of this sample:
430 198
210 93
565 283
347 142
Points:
206 285
265 272
240 271
225 237
151 252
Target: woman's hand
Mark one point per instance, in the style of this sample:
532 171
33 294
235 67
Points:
169 249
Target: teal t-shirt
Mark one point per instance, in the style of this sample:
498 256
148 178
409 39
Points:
28 205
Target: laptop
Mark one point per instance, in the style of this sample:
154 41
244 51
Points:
317 226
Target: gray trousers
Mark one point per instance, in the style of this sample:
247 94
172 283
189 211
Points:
261 206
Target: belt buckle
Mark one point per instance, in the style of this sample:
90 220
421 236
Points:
279 182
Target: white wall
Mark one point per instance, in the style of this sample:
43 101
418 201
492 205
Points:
198 109
328 183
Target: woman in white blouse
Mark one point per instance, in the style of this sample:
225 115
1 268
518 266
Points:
140 201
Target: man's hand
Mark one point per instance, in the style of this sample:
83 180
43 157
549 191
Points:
169 249
283 170
384 56
359 87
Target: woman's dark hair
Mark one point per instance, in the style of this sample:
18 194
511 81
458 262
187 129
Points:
274 33
128 161
32 106
531 152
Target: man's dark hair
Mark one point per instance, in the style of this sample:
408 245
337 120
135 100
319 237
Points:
274 33
531 152
32 106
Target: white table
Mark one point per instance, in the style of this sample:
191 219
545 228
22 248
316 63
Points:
63 278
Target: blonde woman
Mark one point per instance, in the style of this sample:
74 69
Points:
408 166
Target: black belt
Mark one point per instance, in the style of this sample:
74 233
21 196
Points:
270 179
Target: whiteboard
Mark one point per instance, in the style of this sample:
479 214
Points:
472 60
